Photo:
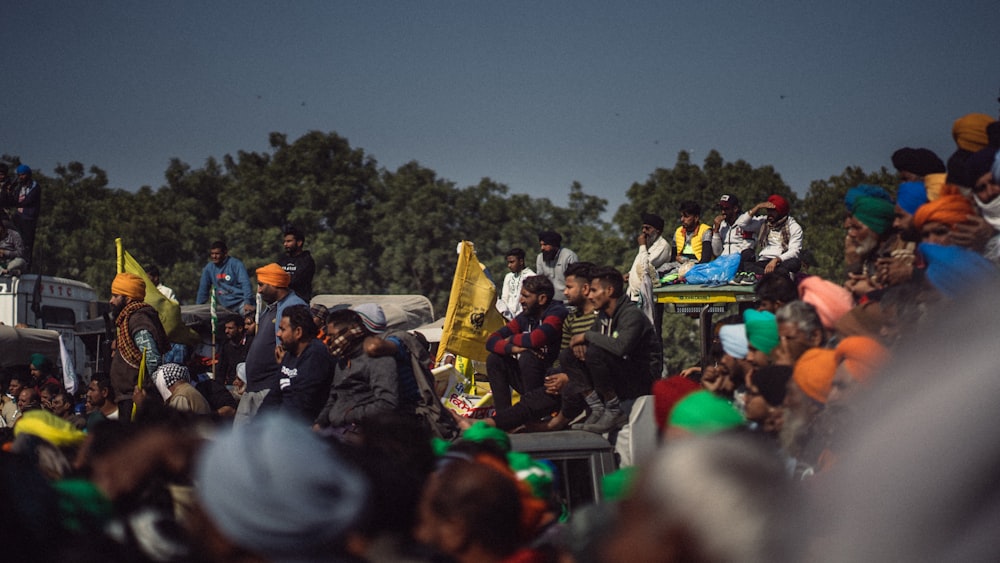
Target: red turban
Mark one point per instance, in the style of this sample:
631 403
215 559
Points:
948 209
780 204
814 373
667 393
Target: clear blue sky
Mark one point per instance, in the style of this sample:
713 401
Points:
531 94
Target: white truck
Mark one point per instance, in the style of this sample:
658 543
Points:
52 303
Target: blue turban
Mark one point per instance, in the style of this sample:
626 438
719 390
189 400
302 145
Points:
22 169
911 195
275 488
956 271
865 190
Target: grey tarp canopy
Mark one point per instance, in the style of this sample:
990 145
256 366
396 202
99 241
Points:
18 344
404 312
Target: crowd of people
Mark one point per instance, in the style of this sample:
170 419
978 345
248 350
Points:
322 436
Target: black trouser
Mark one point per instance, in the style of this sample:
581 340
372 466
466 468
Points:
536 403
786 267
523 373
609 374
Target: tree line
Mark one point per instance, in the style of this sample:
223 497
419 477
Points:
373 230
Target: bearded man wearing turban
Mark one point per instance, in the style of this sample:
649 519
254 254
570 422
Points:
870 234
138 330
263 368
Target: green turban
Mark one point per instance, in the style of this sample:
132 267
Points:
482 432
703 412
762 330
875 213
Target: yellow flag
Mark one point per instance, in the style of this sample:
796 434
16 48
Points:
472 314
169 311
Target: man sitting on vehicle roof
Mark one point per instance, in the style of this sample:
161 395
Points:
523 349
12 262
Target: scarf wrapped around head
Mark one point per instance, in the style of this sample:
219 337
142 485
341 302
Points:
948 209
864 190
969 131
814 373
129 285
273 275
762 330
344 344
911 196
167 375
875 213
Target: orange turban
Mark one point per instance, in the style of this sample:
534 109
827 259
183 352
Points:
969 131
129 285
862 356
273 274
814 373
948 209
831 301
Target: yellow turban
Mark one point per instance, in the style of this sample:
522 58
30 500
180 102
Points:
969 131
948 209
273 274
129 285
49 427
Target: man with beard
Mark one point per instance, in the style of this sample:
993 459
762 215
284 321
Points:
693 239
526 347
234 349
621 354
552 261
363 386
869 236
138 332
654 252
779 241
298 263
805 400
262 369
306 366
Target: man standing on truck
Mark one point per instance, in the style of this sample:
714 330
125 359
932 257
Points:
138 330
229 276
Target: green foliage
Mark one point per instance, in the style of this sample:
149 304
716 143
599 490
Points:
373 230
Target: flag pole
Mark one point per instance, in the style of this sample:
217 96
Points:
215 321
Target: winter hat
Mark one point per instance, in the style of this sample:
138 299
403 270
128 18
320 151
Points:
372 316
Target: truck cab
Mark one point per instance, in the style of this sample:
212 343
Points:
53 303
